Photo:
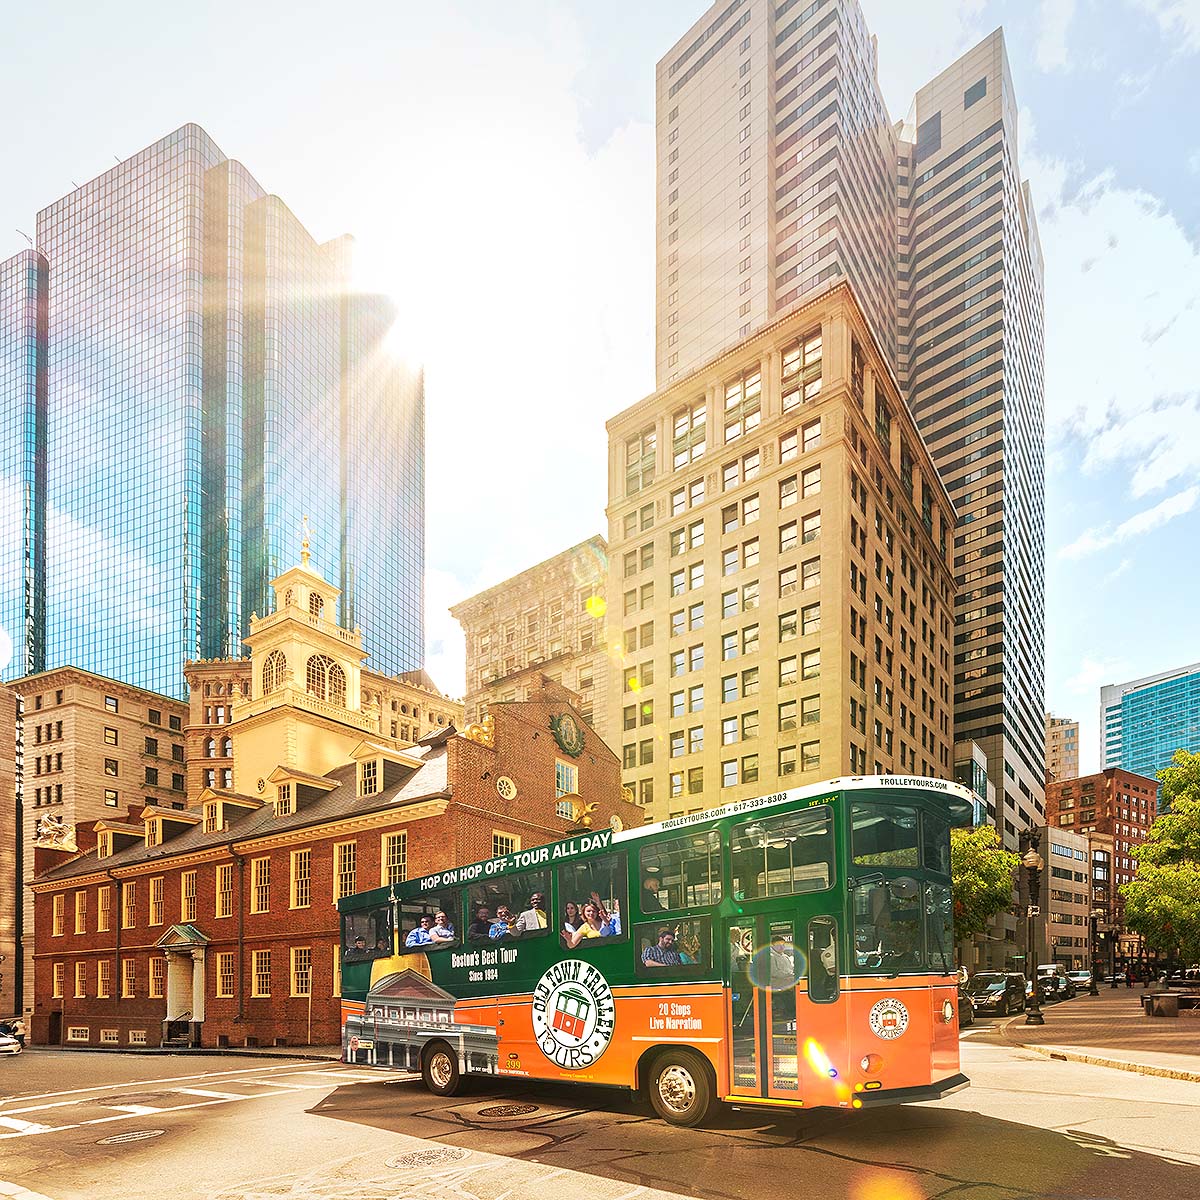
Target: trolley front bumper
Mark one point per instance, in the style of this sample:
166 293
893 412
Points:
913 1095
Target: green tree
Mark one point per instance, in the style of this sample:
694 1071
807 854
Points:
1162 902
981 871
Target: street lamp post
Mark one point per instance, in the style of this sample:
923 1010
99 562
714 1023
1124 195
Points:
1093 990
1033 864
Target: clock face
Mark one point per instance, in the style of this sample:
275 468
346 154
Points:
615 823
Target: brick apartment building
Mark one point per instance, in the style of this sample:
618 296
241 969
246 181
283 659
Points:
89 747
215 923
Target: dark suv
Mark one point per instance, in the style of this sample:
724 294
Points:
997 992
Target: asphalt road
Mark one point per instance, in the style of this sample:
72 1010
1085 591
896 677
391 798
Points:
231 1128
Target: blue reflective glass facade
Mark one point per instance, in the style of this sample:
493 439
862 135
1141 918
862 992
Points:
23 281
1143 723
204 395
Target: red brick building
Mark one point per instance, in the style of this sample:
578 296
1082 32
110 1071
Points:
215 925
1114 803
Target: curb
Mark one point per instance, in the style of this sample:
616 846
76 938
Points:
1095 1060
199 1052
14 1191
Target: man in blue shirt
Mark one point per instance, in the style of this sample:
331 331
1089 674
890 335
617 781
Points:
423 935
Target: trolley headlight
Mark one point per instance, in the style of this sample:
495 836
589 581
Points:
947 1011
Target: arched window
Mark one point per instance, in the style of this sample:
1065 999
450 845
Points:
316 604
325 679
288 598
218 689
274 670
210 748
227 748
337 685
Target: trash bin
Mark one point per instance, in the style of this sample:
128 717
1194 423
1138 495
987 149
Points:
1164 1006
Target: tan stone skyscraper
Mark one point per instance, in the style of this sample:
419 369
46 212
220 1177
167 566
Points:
778 541
1062 749
776 175
971 343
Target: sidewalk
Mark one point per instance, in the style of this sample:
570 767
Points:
1111 1030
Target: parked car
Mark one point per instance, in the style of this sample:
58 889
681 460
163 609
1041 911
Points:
9 1045
998 992
966 1007
13 1027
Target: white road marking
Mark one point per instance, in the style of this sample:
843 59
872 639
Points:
22 1126
142 1083
27 1128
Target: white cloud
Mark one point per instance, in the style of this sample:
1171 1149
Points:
1122 324
1093 540
1093 674
1178 20
912 52
1053 21
1120 569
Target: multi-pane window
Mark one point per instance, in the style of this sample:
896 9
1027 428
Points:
81 912
187 896
810 619
158 977
301 970
810 481
789 537
810 710
787 760
368 777
260 885
639 460
225 973
695 781
883 423
394 858
128 977
504 843
60 979
750 639
59 915
104 909
788 490
301 881
750 509
810 664
729 730
104 978
80 979
688 441
285 801
810 573
345 869
261 973
128 905
224 892
156 900
743 404
810 756
749 725
810 528
801 371
211 822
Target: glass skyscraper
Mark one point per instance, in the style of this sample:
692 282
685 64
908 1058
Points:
211 381
1143 722
22 464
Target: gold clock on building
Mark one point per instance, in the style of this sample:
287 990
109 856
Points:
615 823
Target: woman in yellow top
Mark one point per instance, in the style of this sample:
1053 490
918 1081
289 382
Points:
596 923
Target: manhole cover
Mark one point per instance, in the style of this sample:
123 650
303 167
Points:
508 1110
434 1157
134 1135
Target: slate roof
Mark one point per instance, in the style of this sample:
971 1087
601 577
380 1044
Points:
428 781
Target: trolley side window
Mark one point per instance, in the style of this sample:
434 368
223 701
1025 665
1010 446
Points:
429 922
510 908
682 874
680 948
367 934
784 855
823 967
591 896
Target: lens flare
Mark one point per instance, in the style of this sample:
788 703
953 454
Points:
775 972
816 1057
883 1185
595 606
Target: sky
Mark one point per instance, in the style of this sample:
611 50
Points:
495 164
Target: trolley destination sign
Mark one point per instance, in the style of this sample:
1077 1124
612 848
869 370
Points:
518 860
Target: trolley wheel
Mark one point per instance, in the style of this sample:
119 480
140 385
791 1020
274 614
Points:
439 1070
681 1088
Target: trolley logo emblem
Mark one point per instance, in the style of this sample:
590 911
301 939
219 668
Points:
573 1014
888 1019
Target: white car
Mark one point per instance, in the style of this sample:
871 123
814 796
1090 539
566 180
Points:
9 1045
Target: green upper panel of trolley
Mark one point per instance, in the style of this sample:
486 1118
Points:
900 788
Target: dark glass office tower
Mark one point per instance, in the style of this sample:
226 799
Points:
207 390
22 464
